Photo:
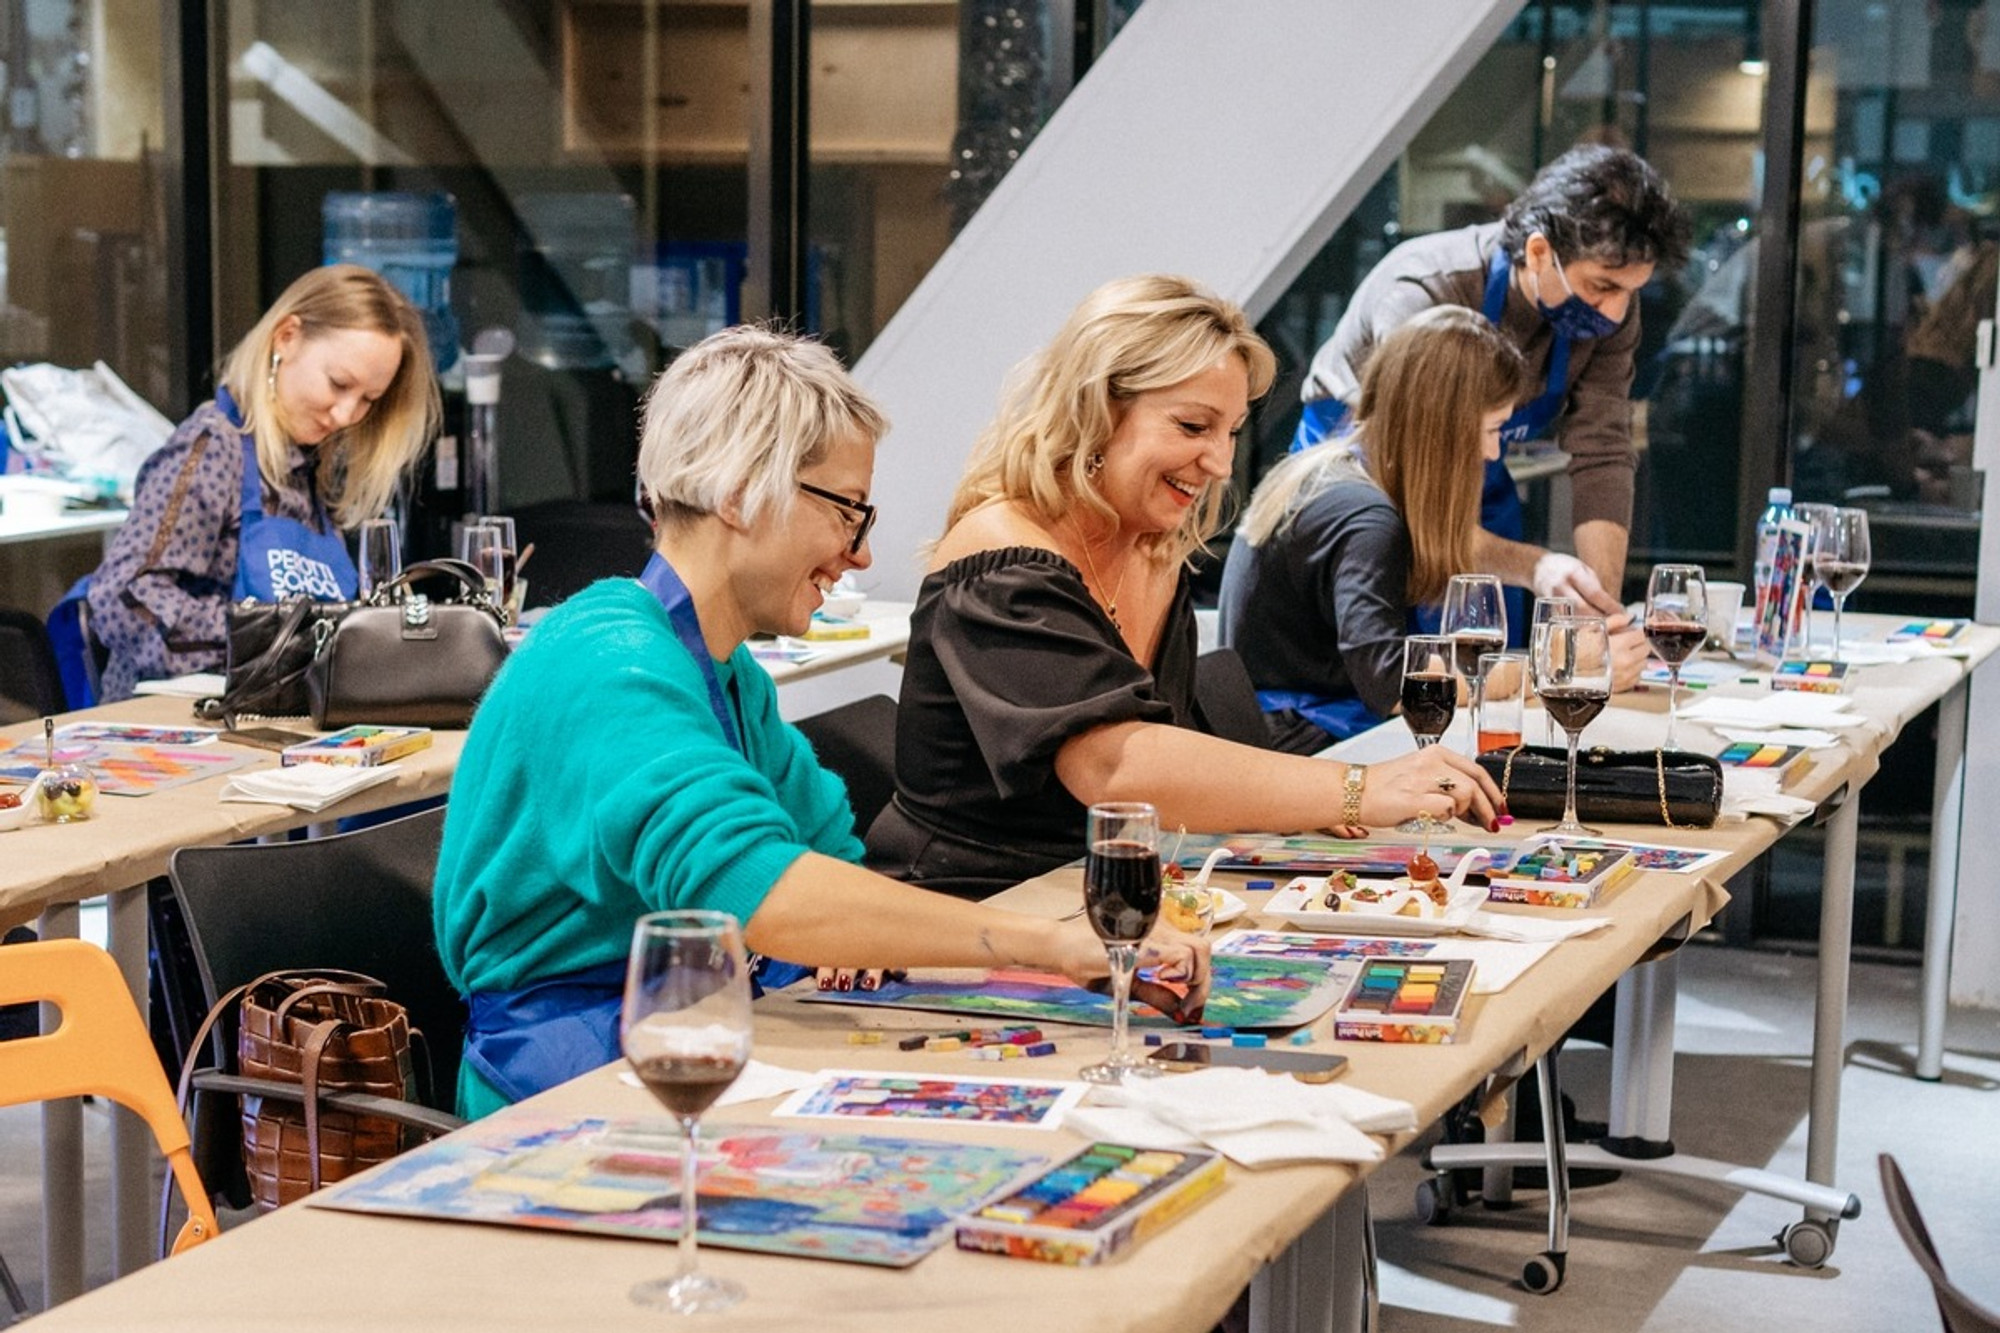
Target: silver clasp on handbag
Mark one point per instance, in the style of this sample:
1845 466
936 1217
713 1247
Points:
417 617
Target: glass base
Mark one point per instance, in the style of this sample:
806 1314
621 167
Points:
1570 828
694 1293
1117 1069
1423 824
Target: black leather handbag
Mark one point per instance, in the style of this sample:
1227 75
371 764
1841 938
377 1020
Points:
403 659
1674 788
270 647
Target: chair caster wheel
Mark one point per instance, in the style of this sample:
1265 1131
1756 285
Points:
1544 1273
1808 1243
1434 1201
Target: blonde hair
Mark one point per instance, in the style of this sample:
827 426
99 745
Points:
1423 392
358 475
1063 404
738 416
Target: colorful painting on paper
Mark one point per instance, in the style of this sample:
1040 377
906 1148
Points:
1243 993
125 770
849 1197
1327 949
132 733
1647 856
1021 1102
1313 854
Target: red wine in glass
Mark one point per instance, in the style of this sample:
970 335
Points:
1429 700
1121 889
1675 641
1574 708
687 1085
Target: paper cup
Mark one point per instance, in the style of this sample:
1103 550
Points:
1725 604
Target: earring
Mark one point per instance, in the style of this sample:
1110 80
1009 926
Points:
1093 465
271 378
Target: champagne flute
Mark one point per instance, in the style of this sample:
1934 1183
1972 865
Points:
1121 895
1571 659
1475 620
1676 625
1547 609
1430 697
1813 516
481 545
686 1029
1840 559
380 554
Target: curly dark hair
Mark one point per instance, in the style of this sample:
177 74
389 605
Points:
1600 203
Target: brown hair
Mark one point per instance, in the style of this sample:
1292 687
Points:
1423 392
1129 336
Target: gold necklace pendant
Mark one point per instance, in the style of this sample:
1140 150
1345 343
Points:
1110 605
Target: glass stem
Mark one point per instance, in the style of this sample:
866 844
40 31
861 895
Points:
1839 604
1569 798
1673 701
1124 960
689 1157
1478 710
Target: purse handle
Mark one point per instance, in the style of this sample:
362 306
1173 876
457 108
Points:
263 679
471 583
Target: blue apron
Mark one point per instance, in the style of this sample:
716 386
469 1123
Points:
279 557
526 1041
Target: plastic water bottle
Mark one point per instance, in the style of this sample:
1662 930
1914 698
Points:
410 239
1777 511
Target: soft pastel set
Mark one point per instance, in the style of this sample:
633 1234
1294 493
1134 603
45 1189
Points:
1094 1205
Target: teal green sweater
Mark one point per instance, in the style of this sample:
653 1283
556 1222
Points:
597 785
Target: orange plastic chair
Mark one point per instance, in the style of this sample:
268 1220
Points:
99 1049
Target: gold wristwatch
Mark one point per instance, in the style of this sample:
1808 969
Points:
1350 796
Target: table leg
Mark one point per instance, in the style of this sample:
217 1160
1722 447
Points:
1642 1057
62 1161
1325 1279
1836 942
1941 906
132 1148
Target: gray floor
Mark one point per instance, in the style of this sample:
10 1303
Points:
1646 1254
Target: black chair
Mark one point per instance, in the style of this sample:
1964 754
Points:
1960 1313
30 681
858 741
1227 699
358 901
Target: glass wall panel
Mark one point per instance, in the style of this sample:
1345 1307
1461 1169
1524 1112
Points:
1897 262
1667 81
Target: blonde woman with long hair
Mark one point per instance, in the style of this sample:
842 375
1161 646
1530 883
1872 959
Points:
1052 651
317 413
1342 539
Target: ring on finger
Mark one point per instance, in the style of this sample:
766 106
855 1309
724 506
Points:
1447 785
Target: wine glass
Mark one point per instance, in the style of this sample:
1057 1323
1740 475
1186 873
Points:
1547 609
1840 558
1571 659
1676 625
1430 697
482 545
380 554
1813 516
1506 677
686 1029
1121 895
1475 620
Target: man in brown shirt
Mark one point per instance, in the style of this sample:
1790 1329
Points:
1560 275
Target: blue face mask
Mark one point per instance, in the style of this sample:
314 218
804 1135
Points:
1574 318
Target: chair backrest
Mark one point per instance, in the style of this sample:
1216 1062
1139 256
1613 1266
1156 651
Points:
1228 700
858 741
1959 1312
30 681
359 901
99 1048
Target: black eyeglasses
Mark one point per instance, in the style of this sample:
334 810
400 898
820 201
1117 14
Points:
863 514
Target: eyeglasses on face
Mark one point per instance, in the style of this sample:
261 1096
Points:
862 516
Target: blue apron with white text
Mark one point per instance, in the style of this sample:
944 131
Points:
526 1041
278 557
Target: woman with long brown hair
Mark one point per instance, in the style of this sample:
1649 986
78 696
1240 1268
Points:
1342 539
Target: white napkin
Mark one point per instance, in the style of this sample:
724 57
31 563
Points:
197 685
1806 737
1530 929
1787 810
1779 708
1259 1119
1881 654
757 1081
308 787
